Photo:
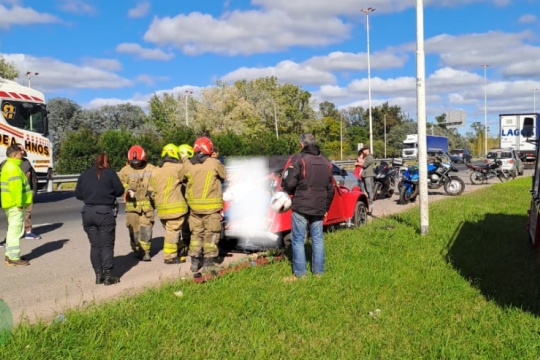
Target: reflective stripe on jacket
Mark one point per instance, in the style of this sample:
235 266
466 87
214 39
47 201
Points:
203 192
137 180
14 187
165 190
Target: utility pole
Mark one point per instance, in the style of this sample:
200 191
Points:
485 110
367 12
29 74
187 93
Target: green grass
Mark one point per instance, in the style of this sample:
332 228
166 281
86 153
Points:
469 289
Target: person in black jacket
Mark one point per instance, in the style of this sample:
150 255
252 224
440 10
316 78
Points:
99 187
308 176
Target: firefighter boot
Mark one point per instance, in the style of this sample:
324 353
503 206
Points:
195 264
210 264
109 279
144 242
146 256
99 275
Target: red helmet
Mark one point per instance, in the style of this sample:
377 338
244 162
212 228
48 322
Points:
203 145
136 153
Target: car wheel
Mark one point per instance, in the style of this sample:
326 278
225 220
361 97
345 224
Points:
360 214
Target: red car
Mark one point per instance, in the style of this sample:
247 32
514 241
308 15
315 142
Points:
254 226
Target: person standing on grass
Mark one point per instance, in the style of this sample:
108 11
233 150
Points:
16 195
367 162
98 187
30 174
308 176
205 199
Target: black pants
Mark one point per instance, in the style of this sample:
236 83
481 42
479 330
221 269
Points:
99 224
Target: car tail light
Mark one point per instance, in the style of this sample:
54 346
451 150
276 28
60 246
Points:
511 161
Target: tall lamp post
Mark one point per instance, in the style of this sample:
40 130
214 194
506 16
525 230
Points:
187 93
534 100
485 109
341 135
29 74
367 12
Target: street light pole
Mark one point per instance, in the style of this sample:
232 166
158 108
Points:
385 136
485 110
29 74
367 12
187 93
341 135
275 119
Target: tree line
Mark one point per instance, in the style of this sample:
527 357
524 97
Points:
259 117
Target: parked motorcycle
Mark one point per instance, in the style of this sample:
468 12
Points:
482 173
384 180
438 176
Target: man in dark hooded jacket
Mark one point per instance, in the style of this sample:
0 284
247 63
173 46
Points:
308 176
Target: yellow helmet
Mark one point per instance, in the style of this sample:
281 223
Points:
170 150
185 150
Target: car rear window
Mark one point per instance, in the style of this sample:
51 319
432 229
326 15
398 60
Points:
456 152
499 155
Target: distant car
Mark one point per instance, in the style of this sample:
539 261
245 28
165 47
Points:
509 158
460 155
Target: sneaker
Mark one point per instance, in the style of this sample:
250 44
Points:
19 262
293 278
3 243
31 236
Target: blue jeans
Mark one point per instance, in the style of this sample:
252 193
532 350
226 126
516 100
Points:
299 226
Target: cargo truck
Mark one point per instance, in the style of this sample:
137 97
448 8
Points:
433 143
518 131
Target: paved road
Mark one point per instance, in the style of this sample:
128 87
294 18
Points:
60 275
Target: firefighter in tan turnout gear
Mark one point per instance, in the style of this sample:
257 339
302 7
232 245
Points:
205 199
171 206
135 177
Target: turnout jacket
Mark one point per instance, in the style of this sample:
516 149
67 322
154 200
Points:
14 187
137 180
308 176
203 191
165 190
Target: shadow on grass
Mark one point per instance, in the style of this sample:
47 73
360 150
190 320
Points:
496 257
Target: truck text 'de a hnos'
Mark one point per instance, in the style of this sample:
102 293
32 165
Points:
410 145
517 132
24 121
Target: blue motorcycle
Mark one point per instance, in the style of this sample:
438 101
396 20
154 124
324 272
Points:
438 176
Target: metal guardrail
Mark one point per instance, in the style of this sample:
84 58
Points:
72 178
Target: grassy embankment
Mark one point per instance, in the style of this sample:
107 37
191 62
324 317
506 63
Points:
468 289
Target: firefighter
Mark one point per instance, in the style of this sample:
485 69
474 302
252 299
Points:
135 177
171 206
186 153
205 199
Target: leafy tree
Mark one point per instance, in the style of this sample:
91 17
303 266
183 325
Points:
116 144
78 151
8 70
63 119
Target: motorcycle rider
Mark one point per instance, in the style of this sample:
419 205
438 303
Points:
205 199
171 206
135 177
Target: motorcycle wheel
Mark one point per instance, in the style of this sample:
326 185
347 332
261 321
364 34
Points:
477 178
405 194
503 176
377 190
455 186
360 214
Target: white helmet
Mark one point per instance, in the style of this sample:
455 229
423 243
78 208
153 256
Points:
280 202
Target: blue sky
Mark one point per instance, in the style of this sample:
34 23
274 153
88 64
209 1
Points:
109 52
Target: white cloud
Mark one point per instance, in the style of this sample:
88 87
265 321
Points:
105 64
140 10
77 7
24 16
142 53
286 72
248 32
55 75
528 19
342 61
